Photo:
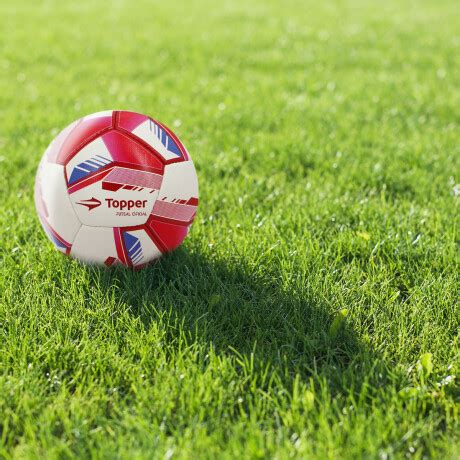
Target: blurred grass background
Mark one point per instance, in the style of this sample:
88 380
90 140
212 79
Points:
313 311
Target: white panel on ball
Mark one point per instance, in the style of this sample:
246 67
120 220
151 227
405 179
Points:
179 182
94 244
61 214
151 133
89 159
97 207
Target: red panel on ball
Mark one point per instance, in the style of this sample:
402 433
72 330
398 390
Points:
84 132
171 235
124 149
130 120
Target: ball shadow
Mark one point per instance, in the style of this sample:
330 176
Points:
239 310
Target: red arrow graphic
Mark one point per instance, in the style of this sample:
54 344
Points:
90 204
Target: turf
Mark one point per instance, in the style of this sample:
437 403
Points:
313 311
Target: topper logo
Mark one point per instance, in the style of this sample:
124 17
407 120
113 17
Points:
111 203
90 204
125 204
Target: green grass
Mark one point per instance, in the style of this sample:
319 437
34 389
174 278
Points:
313 311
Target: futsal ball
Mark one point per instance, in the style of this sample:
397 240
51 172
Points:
116 187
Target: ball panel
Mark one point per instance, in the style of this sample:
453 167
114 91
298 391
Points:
129 120
125 149
85 131
53 204
40 204
94 245
176 140
59 242
180 183
140 248
167 236
88 160
159 139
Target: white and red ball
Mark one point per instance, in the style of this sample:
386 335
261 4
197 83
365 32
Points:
116 187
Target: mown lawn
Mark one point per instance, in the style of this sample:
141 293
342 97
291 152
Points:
313 311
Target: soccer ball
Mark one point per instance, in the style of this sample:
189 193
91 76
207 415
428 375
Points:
116 187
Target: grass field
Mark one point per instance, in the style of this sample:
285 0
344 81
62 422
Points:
313 311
